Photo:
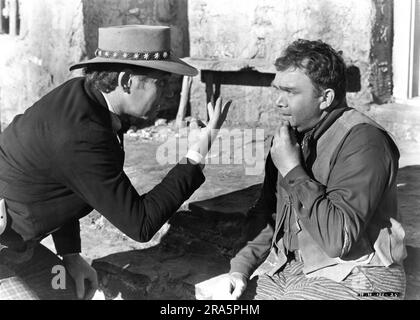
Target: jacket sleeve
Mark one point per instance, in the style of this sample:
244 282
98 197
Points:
88 164
67 238
336 214
259 227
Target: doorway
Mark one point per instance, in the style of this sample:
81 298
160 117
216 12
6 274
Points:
406 52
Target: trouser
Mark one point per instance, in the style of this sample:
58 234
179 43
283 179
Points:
39 276
290 283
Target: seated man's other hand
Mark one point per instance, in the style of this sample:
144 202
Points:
229 287
80 271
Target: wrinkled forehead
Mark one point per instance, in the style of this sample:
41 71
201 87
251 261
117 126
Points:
291 77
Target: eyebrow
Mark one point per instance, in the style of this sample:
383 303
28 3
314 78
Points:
282 87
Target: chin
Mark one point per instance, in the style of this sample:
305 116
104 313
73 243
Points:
139 115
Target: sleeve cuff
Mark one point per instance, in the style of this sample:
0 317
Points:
242 268
67 239
67 246
191 168
194 156
296 175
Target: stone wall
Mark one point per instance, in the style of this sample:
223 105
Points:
50 40
104 13
173 13
57 33
262 28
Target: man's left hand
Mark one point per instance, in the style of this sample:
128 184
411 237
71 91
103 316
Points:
80 271
285 151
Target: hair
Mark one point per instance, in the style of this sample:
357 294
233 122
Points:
104 77
320 62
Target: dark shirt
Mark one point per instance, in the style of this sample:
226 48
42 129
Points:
337 213
61 158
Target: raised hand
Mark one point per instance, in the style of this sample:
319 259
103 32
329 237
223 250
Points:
204 137
285 151
218 113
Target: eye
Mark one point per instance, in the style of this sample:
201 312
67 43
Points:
161 83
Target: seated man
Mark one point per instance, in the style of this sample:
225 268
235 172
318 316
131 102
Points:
325 225
64 157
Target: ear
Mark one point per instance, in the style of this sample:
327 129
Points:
124 80
327 99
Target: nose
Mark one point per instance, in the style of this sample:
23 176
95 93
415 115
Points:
281 100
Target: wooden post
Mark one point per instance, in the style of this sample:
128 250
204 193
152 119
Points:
182 109
216 88
13 18
208 78
0 109
1 16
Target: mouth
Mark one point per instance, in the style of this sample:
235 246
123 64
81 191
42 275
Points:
287 117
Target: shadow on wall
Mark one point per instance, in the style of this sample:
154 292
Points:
353 79
173 13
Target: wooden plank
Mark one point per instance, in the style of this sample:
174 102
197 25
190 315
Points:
229 64
182 109
243 78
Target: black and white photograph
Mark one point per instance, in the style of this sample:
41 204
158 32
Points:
209 156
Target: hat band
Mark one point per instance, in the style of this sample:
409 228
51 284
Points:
154 55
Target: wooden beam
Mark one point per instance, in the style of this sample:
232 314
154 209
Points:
244 78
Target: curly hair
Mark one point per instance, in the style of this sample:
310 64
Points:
320 62
104 77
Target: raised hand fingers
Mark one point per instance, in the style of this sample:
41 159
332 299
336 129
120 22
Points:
282 132
225 109
210 110
217 109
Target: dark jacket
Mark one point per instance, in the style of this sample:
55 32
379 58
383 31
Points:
61 159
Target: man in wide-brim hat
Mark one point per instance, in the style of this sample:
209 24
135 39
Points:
64 157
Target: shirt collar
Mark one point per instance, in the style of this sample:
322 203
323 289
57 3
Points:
316 132
116 122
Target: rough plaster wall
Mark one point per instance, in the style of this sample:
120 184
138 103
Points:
173 13
104 13
262 28
51 39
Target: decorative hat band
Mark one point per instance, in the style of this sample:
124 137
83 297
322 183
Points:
155 55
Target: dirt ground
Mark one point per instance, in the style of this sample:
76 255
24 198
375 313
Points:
100 239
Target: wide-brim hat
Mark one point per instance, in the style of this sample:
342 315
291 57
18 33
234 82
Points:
138 45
